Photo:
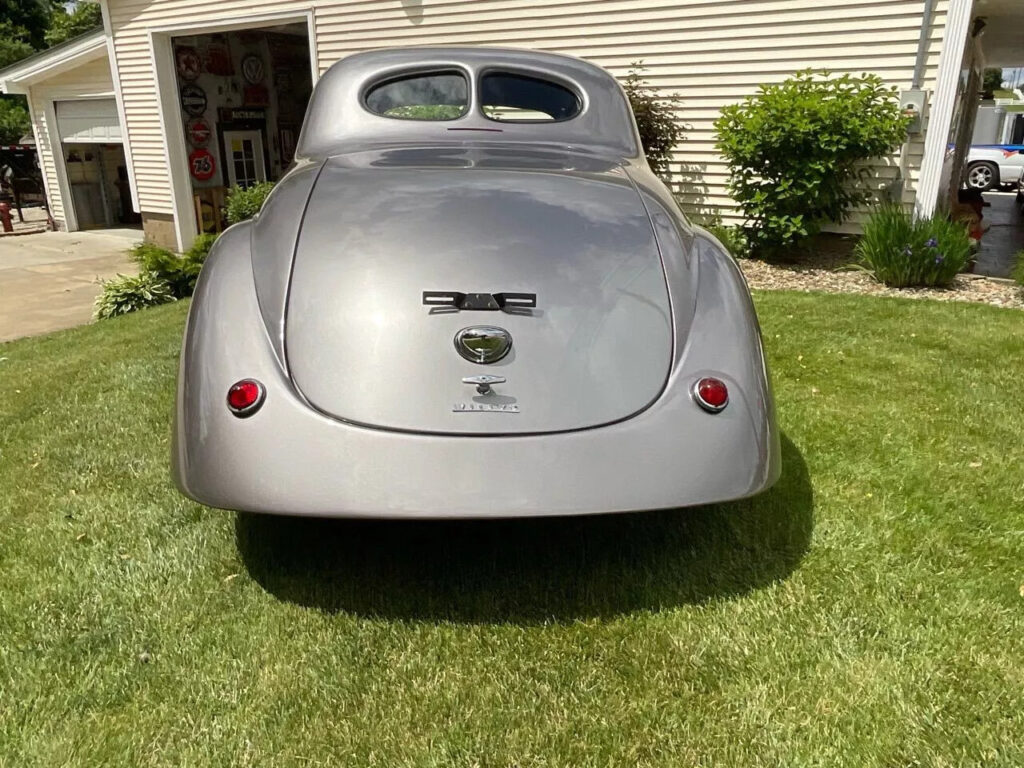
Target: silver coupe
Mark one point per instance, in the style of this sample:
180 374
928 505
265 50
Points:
471 298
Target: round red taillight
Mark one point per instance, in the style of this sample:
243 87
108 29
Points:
245 397
711 394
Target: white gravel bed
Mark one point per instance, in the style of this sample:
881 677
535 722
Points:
971 288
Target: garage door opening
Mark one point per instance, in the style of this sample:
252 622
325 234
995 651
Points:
98 194
98 181
242 96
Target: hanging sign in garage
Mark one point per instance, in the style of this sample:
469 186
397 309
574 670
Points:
189 63
199 132
201 164
193 99
252 69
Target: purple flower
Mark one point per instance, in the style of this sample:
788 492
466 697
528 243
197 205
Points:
932 243
939 259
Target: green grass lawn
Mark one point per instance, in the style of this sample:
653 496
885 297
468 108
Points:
869 611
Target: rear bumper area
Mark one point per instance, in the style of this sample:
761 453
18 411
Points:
289 459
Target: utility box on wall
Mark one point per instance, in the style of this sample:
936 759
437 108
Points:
914 104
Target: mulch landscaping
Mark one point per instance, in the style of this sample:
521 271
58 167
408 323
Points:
828 267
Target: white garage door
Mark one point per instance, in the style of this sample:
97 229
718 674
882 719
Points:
88 120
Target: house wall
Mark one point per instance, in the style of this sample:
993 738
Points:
92 79
709 52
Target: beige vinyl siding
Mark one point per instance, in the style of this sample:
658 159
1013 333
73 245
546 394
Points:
709 52
91 79
45 134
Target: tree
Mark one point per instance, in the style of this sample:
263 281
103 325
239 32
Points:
14 121
23 26
27 26
84 17
992 81
14 45
655 119
26 20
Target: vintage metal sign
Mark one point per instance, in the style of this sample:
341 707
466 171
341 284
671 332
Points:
189 63
256 95
252 69
218 59
199 132
239 114
193 99
201 164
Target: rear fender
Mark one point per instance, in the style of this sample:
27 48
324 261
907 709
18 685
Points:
274 233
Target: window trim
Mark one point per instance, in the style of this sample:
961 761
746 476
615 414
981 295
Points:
404 74
533 75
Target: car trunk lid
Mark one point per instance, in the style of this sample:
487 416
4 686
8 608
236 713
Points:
362 346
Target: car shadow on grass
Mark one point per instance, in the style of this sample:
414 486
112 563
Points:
534 570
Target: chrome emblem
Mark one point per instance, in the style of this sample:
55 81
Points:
483 343
484 383
485 408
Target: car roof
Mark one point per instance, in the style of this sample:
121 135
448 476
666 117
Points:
337 119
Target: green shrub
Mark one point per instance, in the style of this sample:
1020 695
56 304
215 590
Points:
655 119
795 150
732 237
179 273
173 270
163 265
200 249
1018 269
125 294
901 252
244 203
193 260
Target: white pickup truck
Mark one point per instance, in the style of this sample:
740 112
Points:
993 165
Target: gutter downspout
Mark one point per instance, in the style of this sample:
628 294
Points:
922 44
899 186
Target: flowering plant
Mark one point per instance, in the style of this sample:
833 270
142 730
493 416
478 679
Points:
901 252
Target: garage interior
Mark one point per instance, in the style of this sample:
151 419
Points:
243 95
94 163
98 178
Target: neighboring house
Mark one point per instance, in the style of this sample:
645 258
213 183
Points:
71 96
1000 121
175 100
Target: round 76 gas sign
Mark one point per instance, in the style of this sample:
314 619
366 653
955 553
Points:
201 164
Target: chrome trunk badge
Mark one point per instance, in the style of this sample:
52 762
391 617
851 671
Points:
483 343
486 408
483 386
483 383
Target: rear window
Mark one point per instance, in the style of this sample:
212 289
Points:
421 96
508 97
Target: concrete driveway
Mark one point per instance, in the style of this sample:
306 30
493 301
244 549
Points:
1004 238
48 280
